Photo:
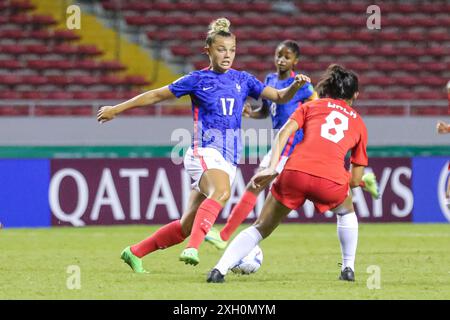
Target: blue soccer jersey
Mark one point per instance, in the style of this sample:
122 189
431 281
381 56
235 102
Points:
280 113
217 105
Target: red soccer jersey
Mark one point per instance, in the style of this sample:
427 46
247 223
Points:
331 128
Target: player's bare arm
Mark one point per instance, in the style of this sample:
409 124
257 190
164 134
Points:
357 174
284 95
108 113
278 144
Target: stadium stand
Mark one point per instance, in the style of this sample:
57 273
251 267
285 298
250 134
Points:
406 63
40 62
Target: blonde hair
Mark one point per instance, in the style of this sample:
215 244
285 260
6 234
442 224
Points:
219 27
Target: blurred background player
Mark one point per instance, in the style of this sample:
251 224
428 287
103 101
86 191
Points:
314 171
218 94
286 57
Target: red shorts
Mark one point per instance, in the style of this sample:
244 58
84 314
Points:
293 187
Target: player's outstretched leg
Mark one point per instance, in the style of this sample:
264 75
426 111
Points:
241 245
216 184
369 183
133 261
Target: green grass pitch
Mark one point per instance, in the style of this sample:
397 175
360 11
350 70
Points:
300 262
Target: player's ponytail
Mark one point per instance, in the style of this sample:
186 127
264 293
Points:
219 27
337 83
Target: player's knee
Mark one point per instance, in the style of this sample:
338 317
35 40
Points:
344 209
221 195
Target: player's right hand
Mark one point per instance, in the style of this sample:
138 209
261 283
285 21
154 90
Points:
105 114
302 79
247 112
442 127
263 177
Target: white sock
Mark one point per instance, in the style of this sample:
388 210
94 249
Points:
244 242
347 230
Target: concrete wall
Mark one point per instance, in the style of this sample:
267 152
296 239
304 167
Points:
157 131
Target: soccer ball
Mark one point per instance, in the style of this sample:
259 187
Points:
250 263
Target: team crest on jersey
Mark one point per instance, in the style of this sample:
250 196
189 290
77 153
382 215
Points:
238 87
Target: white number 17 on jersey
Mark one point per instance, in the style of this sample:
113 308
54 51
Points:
224 106
330 124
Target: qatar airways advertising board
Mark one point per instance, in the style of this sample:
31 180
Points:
82 192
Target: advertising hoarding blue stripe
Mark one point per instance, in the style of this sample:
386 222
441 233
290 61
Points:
429 179
24 187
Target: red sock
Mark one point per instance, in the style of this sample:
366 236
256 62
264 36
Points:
239 213
204 219
164 237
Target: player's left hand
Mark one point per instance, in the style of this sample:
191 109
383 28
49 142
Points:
105 114
263 177
302 79
247 112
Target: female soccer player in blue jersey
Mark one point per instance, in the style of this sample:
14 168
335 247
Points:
218 94
287 55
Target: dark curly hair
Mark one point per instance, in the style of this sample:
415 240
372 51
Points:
337 83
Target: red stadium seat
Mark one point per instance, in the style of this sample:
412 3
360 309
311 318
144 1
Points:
111 80
183 51
15 34
39 49
260 50
110 65
90 50
13 111
136 80
10 64
408 81
429 111
13 94
86 80
67 35
35 95
85 95
40 34
60 95
160 35
65 49
10 80
59 80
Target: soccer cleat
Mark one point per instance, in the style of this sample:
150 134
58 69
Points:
190 256
347 274
371 185
213 237
134 262
215 276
